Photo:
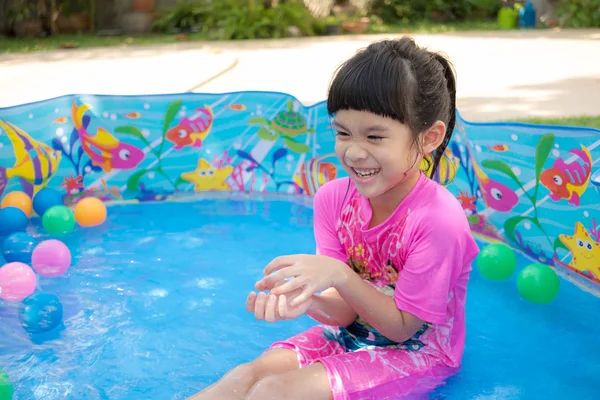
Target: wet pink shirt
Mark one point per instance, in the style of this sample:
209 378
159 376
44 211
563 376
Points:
421 255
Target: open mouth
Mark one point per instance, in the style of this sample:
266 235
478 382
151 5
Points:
366 173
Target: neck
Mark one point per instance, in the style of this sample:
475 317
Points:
384 205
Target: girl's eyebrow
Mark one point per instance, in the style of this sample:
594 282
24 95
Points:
372 128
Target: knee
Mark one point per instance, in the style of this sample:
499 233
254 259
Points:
272 387
245 373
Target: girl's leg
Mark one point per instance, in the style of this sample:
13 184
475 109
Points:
311 382
236 384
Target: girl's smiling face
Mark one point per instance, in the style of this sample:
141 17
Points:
380 153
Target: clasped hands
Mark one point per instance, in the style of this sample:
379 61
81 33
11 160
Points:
290 298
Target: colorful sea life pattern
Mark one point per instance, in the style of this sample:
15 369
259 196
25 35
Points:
569 179
522 184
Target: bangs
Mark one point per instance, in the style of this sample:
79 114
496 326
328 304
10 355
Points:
379 83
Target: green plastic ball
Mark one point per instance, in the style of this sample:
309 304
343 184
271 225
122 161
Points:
496 262
538 283
58 220
6 387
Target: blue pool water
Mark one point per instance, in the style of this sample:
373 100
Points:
154 308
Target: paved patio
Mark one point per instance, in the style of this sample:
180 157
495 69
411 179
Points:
500 74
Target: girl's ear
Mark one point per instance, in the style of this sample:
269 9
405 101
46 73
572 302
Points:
433 137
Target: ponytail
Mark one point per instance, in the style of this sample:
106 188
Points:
451 85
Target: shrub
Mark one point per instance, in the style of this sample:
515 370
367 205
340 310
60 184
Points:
238 19
579 13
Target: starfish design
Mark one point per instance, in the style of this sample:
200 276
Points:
206 177
585 251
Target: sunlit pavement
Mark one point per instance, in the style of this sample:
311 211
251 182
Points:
501 75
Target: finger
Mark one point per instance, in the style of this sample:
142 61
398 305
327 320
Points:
289 286
259 307
250 300
269 281
282 307
270 308
302 297
278 263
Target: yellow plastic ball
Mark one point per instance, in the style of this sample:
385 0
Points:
90 212
19 200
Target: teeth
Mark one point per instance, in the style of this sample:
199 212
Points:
365 173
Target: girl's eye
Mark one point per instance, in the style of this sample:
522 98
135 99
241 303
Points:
340 133
375 138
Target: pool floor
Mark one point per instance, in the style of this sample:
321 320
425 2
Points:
154 308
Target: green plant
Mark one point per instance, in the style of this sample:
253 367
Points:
485 9
395 11
20 11
187 15
579 13
250 19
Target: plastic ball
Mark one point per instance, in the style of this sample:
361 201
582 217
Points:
12 220
58 220
17 281
90 211
6 387
18 247
51 258
538 283
19 200
40 313
45 199
497 262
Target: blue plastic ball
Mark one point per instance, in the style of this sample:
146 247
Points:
40 313
12 220
46 199
18 247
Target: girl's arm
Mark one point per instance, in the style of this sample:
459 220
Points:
330 308
377 308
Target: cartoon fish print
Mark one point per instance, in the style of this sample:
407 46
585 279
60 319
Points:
496 195
60 120
446 170
569 180
104 149
314 173
133 115
36 163
500 148
585 251
192 131
236 107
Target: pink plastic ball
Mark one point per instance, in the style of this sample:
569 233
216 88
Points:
17 281
51 258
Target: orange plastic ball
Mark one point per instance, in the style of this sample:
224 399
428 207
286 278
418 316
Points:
19 200
90 212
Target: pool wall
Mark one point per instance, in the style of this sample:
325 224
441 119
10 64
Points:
532 186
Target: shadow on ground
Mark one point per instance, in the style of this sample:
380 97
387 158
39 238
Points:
542 100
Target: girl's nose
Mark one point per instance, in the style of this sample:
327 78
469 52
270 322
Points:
355 153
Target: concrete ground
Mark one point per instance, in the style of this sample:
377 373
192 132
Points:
501 75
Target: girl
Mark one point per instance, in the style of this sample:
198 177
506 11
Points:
394 249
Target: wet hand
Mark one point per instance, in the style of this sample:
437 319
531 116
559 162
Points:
310 273
272 308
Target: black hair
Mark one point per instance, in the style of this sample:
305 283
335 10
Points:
399 80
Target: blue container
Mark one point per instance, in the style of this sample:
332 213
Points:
527 16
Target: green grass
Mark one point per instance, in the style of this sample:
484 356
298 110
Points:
436 27
583 121
27 45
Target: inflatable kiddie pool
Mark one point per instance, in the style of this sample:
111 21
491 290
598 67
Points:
202 190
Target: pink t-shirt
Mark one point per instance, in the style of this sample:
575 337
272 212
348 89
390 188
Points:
421 255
